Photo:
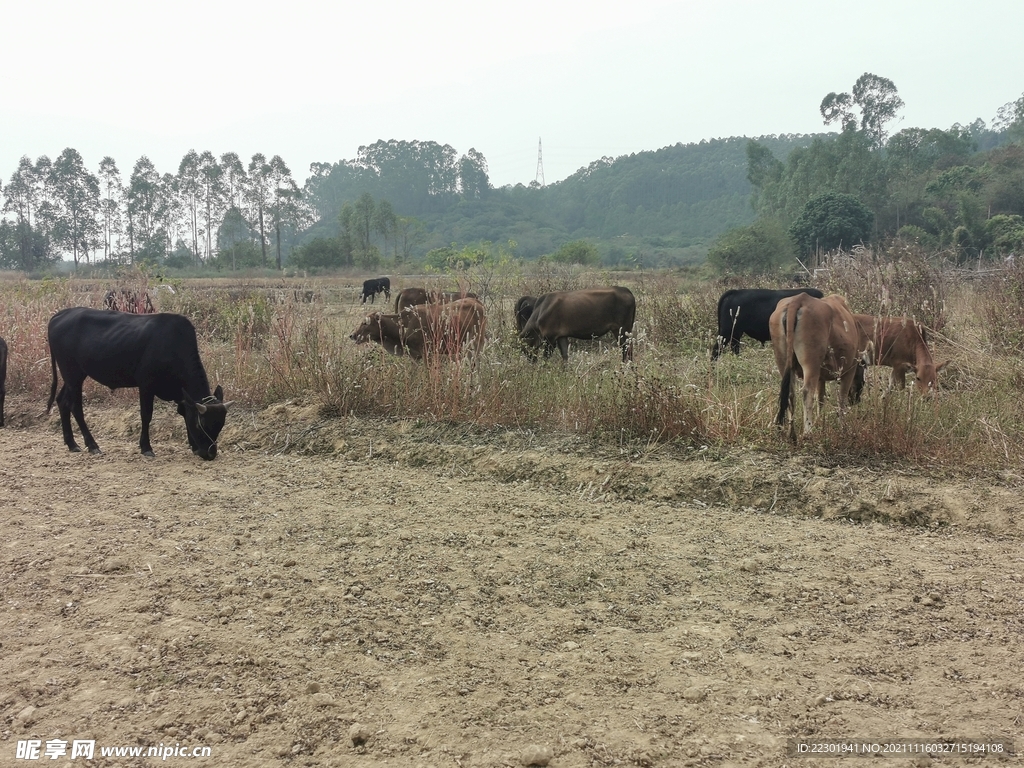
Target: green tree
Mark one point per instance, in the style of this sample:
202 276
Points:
24 196
212 198
75 195
112 191
879 102
145 205
286 206
831 221
578 252
760 248
257 193
319 253
188 185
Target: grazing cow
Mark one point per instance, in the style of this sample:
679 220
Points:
390 333
3 378
378 285
523 310
157 353
817 339
125 300
900 343
563 315
411 297
427 329
746 311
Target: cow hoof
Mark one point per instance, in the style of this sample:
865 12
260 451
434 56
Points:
149 454
75 449
95 450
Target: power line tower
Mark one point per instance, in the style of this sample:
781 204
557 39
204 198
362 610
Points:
540 164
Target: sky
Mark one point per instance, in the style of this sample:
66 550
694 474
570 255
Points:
313 81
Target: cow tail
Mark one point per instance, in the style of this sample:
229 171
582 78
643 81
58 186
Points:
53 384
786 390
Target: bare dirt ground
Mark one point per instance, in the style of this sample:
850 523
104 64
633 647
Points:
464 598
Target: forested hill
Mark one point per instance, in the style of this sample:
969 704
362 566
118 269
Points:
670 203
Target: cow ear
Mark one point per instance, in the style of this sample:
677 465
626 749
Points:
219 392
941 365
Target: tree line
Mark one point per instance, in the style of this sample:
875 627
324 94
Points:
757 203
959 191
212 210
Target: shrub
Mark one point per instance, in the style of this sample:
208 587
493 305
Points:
762 247
832 221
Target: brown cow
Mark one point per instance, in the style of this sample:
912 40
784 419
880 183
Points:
523 310
899 343
411 297
427 329
563 315
388 331
816 339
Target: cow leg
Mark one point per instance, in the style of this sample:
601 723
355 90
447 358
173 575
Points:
810 397
734 344
63 400
626 341
563 347
146 410
72 405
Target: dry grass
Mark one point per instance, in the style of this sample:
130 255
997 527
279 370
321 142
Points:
272 340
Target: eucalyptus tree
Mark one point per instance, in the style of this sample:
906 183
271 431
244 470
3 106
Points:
233 179
75 204
878 101
474 182
286 206
111 204
212 196
257 192
145 203
385 223
187 186
23 197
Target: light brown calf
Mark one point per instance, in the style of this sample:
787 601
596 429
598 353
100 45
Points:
426 330
899 343
816 339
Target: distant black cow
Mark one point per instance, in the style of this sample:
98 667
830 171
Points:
523 310
158 354
377 285
587 314
746 311
3 378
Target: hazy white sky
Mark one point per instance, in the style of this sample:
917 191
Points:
312 81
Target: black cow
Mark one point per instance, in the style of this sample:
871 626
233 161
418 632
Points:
377 285
3 378
158 354
587 314
746 311
523 310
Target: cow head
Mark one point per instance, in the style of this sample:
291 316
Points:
926 377
368 329
204 421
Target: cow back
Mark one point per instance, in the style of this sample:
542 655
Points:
156 352
582 314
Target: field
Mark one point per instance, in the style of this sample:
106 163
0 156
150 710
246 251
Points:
395 563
